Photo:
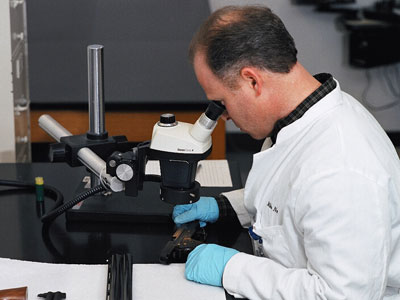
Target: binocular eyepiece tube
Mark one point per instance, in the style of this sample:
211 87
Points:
205 125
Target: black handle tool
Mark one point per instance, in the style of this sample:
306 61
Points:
53 295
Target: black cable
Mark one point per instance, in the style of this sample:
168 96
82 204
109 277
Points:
49 217
49 191
52 192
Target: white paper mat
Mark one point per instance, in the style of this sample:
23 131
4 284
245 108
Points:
150 281
78 281
169 282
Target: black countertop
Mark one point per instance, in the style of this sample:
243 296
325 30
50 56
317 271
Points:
22 237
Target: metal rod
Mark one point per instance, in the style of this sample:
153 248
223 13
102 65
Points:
86 156
94 180
96 90
53 128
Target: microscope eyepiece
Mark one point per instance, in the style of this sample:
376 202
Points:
167 120
214 110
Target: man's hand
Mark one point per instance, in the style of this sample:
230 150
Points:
206 263
204 210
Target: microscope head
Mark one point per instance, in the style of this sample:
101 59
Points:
179 147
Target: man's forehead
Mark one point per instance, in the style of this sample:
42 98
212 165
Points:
201 68
199 58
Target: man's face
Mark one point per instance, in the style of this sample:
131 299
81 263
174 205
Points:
241 105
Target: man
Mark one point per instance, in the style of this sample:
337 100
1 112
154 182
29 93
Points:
323 196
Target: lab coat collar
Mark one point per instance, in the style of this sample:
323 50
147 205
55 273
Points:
330 101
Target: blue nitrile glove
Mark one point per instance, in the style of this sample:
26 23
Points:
204 210
206 263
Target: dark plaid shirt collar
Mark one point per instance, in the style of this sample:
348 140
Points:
328 84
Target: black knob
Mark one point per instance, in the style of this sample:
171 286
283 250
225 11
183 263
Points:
167 118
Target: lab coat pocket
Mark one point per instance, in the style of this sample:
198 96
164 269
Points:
275 245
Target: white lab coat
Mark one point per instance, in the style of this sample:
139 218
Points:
326 201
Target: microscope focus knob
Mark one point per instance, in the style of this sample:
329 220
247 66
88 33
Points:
167 120
124 172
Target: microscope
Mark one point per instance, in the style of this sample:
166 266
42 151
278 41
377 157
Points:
119 165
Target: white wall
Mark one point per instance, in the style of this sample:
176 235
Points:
7 136
322 48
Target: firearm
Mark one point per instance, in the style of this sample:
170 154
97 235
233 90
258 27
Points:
184 240
20 293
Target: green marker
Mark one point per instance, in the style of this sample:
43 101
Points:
39 189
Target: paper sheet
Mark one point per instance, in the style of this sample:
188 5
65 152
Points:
170 283
78 281
209 172
150 281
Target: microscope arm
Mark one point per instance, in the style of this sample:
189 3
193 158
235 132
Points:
85 155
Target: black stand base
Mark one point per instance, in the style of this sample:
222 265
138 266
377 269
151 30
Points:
146 208
116 207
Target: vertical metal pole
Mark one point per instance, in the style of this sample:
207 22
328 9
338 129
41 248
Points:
96 98
96 92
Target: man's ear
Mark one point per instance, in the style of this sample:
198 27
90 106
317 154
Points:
252 78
